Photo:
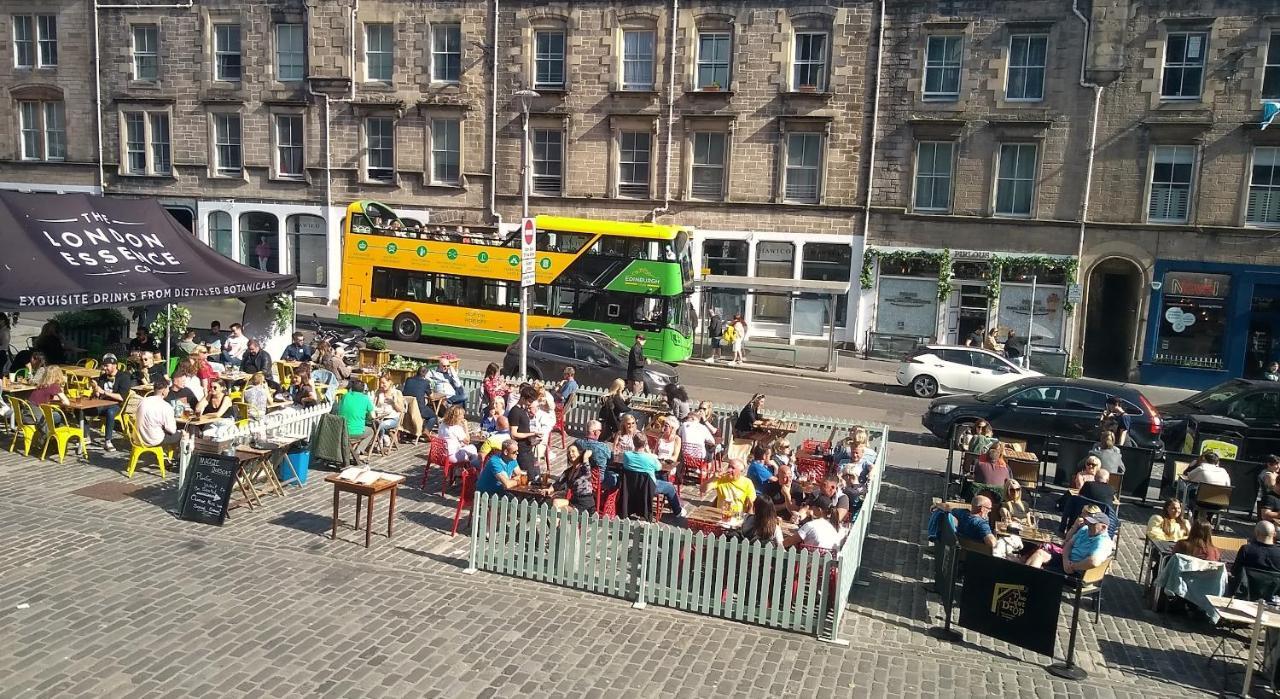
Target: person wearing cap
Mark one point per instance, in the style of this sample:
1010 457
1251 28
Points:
444 380
112 385
1114 419
1087 545
636 362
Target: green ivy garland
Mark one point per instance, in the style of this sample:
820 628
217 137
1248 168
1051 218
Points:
1041 263
941 259
281 306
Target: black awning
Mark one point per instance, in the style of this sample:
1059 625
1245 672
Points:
83 251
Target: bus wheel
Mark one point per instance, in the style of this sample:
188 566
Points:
407 327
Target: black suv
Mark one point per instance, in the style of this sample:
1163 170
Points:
596 358
1250 408
1047 405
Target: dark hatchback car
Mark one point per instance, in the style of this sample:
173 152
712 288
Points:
597 359
1047 405
1250 408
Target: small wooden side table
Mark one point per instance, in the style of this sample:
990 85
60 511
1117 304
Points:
363 491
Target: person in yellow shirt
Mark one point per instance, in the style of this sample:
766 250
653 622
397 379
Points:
1170 524
734 492
496 438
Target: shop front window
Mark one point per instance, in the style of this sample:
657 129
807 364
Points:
907 306
1042 316
1193 320
727 257
775 261
260 240
220 232
308 253
827 262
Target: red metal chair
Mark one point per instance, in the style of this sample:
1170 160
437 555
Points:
609 507
701 469
560 428
596 476
466 498
438 456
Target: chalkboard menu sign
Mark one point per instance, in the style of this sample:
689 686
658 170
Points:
208 488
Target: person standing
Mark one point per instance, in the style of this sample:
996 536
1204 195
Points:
263 252
974 339
636 362
6 325
1015 348
1114 419
739 338
715 329
521 419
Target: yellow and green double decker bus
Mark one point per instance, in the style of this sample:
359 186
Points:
449 282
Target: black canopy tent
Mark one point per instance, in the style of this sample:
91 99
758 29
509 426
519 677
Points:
61 251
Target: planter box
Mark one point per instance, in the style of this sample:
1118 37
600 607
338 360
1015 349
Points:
374 359
399 376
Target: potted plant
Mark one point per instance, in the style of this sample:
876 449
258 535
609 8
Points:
400 368
374 354
713 87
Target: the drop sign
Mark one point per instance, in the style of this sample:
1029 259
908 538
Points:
528 251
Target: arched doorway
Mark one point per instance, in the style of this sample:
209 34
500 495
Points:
1111 322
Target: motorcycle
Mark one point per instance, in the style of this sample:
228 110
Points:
347 345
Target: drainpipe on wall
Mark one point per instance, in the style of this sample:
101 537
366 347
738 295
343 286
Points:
493 125
1088 176
671 115
97 71
871 174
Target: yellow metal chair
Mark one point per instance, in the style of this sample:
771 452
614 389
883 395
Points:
24 423
322 391
130 405
88 363
61 434
285 372
138 449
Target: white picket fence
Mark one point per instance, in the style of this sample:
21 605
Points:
719 575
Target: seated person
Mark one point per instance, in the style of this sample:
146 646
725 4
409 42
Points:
444 380
500 433
760 471
575 481
156 425
1013 509
1209 471
500 471
489 422
641 460
1269 506
785 494
820 530
991 468
142 342
855 449
217 403
1086 473
257 395
297 351
602 454
1099 489
180 391
357 409
974 524
1199 544
187 345
763 525
1087 545
1109 455
696 439
29 365
150 367
418 387
1260 553
1171 524
113 385
734 492
1268 476
256 360
830 488
981 439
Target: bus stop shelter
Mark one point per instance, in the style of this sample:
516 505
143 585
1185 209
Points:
828 292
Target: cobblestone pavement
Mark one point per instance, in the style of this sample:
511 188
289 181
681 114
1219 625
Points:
103 593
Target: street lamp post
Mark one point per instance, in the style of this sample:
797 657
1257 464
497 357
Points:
526 179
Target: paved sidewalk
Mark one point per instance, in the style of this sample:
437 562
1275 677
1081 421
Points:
105 594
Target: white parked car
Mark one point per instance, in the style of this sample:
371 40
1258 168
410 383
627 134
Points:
934 369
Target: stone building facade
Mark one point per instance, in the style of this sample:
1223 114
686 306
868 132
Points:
970 123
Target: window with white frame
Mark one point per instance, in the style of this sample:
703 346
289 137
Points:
804 167
1024 80
809 61
638 46
227 63
933 175
43 127
146 143
1171 170
548 161
146 52
706 179
291 52
944 57
1016 179
228 153
379 53
548 59
1271 72
1184 54
635 155
35 41
714 59
446 53
446 151
220 232
289 147
380 151
1263 208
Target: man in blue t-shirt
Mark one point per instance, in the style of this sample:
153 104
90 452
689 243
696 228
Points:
601 454
974 525
757 471
500 471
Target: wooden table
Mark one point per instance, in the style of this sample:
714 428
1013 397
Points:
1035 536
773 429
363 491
192 420
81 372
536 491
710 520
18 386
256 462
83 405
